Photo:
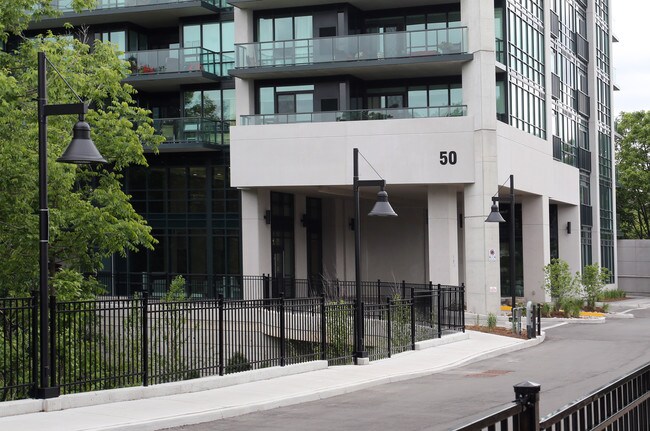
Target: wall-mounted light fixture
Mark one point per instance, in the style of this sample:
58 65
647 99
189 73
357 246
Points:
303 220
568 227
267 216
351 224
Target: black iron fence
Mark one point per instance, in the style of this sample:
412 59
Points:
143 340
17 337
621 405
211 286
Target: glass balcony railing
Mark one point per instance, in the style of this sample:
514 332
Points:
179 60
375 46
193 130
66 5
356 115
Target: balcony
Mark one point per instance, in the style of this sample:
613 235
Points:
357 115
367 56
145 13
167 69
191 133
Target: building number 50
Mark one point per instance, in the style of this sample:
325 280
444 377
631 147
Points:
448 157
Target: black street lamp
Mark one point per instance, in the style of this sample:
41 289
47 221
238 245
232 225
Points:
81 150
495 217
381 209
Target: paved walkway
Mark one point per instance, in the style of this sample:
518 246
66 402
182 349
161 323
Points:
209 405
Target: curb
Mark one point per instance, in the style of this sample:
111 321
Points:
88 399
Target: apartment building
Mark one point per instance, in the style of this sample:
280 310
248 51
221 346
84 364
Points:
263 101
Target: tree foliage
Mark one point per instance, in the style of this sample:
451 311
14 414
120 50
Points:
594 278
633 165
91 217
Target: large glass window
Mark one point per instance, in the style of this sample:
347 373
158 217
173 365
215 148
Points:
214 111
218 39
194 215
271 29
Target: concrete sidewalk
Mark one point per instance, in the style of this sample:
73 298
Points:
192 406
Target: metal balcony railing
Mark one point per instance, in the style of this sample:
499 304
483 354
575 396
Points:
358 47
191 130
66 5
179 60
356 115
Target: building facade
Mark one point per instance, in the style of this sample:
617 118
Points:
262 103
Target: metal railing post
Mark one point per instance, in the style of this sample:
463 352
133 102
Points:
378 291
431 303
53 334
283 339
403 289
220 334
439 306
462 305
323 329
527 395
145 337
539 319
412 318
34 340
266 287
389 330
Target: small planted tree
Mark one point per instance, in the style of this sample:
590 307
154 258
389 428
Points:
560 283
594 278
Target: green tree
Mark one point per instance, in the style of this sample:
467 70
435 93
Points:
633 166
91 217
559 282
594 278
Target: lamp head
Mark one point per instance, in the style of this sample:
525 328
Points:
82 149
382 208
495 216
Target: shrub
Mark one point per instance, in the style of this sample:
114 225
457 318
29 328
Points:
546 309
559 282
572 306
237 363
594 278
491 321
611 294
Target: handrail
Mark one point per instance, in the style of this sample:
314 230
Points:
356 115
367 46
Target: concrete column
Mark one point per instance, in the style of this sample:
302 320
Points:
256 235
245 94
536 243
479 94
570 243
300 236
443 235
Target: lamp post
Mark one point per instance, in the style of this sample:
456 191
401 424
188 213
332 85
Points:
495 217
81 150
381 209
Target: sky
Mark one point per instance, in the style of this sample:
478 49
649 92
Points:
631 25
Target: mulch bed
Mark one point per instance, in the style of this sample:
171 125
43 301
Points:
506 332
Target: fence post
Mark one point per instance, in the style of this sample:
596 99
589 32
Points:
403 289
266 287
323 328
34 308
527 395
53 341
220 334
389 330
378 291
439 306
412 318
283 335
462 305
145 337
539 319
431 303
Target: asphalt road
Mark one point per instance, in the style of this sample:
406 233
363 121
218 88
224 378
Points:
574 360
